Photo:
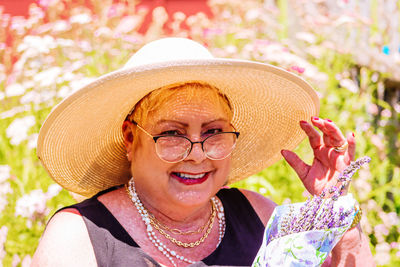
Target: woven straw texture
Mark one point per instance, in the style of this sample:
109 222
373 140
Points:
81 143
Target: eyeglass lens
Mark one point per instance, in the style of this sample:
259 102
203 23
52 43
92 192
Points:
177 148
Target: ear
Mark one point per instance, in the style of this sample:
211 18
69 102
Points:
127 132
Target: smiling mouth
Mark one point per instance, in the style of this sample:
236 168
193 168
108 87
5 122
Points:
190 179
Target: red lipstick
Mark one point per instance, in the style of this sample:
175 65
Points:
190 181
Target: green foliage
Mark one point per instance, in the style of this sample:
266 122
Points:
237 33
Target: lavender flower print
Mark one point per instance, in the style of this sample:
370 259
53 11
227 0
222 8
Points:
303 234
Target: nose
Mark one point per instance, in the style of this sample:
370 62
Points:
197 154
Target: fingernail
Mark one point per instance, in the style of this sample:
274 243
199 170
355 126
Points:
315 118
329 120
303 122
283 152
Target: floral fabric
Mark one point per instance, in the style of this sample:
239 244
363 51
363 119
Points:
306 248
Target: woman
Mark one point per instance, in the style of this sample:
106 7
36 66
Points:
191 124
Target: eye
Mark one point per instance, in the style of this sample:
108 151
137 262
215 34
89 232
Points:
213 131
171 132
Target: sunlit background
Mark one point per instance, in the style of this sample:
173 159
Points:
349 50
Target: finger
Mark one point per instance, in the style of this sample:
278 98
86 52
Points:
313 135
352 146
333 133
332 136
299 166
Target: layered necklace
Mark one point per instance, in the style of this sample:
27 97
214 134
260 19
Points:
152 223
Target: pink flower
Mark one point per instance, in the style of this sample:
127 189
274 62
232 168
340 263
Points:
211 32
298 69
46 3
112 11
127 24
131 39
380 228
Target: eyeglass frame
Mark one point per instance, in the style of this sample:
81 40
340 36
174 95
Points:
155 138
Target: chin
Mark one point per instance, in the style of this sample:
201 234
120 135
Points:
191 193
193 198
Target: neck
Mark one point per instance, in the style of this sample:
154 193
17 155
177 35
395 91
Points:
177 216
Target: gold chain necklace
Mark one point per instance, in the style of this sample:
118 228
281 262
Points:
180 232
154 222
191 244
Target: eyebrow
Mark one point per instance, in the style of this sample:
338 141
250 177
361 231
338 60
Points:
187 125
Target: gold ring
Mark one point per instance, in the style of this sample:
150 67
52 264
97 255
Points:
341 148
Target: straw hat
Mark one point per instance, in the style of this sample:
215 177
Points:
81 144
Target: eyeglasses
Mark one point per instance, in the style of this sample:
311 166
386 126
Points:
175 148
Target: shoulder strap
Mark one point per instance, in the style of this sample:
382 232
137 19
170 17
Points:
103 228
243 233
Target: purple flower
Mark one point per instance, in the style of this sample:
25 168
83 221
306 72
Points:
318 212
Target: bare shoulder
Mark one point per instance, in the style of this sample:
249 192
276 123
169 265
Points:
262 205
65 242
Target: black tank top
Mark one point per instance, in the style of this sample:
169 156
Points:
114 247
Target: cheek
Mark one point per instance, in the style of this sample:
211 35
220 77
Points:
145 161
142 155
224 167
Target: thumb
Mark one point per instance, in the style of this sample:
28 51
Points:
298 165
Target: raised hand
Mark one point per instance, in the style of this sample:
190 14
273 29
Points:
332 153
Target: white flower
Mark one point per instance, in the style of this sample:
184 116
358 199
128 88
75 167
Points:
26 262
53 191
382 255
37 97
349 85
12 112
5 188
48 77
253 14
231 49
4 172
64 92
381 229
17 131
32 140
61 26
15 89
68 76
37 44
65 42
386 113
127 24
307 37
85 46
29 84
32 205
2 95
30 97
16 260
80 19
46 3
103 31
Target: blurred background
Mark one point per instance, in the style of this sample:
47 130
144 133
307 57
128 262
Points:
349 50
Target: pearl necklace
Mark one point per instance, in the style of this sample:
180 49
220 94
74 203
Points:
168 253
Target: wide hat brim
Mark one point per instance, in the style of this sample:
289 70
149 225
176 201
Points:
81 144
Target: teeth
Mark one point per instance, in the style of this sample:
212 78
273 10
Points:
189 176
